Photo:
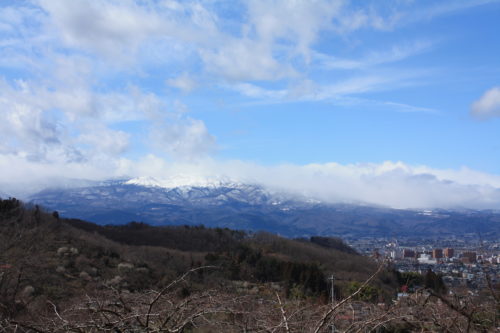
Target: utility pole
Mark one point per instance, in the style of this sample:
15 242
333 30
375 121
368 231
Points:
332 296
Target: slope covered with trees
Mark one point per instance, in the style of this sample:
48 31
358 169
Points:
59 275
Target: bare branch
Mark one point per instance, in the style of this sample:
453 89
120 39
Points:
283 314
326 316
170 285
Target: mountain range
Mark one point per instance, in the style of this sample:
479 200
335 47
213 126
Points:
236 205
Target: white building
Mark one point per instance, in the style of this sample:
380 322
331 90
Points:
426 259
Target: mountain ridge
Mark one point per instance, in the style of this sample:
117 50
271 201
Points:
227 203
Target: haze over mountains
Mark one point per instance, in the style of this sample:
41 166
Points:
219 202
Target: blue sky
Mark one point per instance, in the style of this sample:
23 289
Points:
399 96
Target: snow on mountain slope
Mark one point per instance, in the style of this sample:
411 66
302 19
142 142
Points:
220 202
183 180
175 191
216 203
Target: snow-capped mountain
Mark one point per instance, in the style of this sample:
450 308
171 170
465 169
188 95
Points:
228 203
185 200
138 191
183 180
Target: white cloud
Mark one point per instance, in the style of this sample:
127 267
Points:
443 8
26 126
393 54
390 184
277 36
183 82
76 122
298 22
252 90
184 139
273 40
243 60
488 105
393 184
22 176
110 27
103 140
340 90
122 31
388 15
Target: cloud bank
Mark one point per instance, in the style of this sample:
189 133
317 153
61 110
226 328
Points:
390 184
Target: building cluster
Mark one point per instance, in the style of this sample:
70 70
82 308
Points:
446 255
438 255
468 264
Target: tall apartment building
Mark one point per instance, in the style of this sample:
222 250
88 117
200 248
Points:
437 253
449 253
468 257
407 253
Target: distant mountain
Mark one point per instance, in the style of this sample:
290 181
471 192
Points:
226 203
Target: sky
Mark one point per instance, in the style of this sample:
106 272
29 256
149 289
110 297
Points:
394 103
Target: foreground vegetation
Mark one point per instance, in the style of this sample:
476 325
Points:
59 275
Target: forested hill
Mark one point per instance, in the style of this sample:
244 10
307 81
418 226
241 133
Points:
62 275
60 256
249 256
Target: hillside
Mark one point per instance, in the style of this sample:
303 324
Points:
61 258
68 275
